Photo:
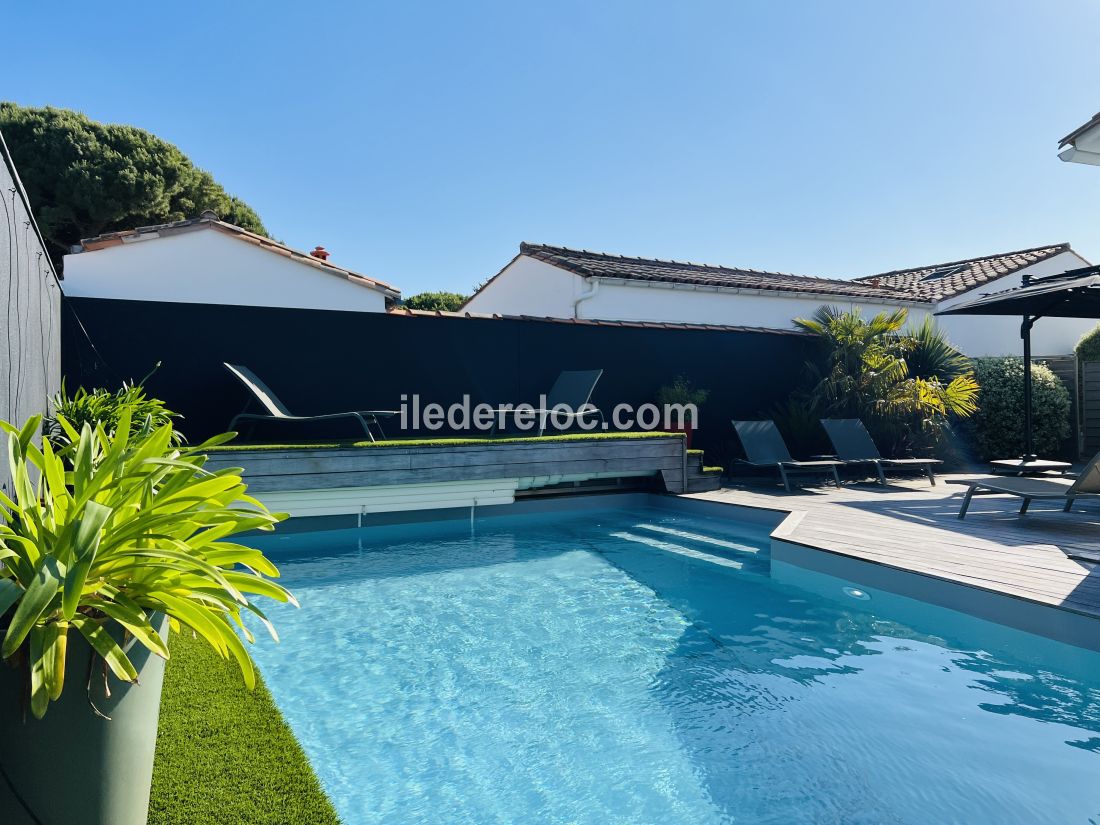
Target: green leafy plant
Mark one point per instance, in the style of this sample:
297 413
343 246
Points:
905 385
682 391
929 355
101 406
445 301
860 359
120 527
997 430
1088 348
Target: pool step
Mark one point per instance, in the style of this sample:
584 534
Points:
700 538
678 549
700 478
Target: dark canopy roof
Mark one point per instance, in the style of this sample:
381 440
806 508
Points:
1073 294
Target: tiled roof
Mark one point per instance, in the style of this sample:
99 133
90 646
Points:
210 221
588 322
601 265
926 284
940 281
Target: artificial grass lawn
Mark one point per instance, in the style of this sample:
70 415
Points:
445 442
225 754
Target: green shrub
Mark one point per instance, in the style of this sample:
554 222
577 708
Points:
1088 348
997 429
681 391
102 406
445 301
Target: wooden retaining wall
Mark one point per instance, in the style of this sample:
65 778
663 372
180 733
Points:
367 469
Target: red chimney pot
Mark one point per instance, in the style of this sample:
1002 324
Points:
320 252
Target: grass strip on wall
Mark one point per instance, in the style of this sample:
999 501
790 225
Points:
445 442
225 754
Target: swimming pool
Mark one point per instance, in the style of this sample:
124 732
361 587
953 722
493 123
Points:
640 665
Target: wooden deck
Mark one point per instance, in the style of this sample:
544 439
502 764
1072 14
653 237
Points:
1047 556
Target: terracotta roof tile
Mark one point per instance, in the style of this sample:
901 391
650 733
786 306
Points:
927 284
940 281
602 265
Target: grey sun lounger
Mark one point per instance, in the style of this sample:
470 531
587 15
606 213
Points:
764 447
276 410
854 445
572 389
1067 490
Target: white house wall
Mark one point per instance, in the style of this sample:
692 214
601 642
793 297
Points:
979 335
773 310
528 286
207 266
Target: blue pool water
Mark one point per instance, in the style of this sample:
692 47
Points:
641 666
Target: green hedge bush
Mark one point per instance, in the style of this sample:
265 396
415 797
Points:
997 429
1088 348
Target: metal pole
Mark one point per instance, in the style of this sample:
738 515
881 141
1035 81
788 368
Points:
1025 333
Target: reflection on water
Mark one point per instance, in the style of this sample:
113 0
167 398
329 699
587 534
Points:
572 670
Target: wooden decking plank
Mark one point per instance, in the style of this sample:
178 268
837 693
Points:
912 526
1029 561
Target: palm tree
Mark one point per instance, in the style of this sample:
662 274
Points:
904 384
861 359
932 355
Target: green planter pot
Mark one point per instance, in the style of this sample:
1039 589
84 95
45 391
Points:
74 767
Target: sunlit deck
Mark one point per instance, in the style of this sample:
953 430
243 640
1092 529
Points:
1047 557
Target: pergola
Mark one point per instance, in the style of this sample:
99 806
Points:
1073 294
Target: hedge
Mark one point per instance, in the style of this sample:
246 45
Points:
997 429
1088 348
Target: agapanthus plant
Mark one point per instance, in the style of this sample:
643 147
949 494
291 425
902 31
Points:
123 527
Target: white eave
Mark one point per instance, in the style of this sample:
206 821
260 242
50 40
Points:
1071 154
1083 145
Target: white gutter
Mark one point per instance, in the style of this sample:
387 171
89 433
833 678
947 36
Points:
1071 154
588 293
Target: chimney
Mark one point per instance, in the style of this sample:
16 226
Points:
209 215
875 282
320 252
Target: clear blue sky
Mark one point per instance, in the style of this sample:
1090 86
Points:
422 142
